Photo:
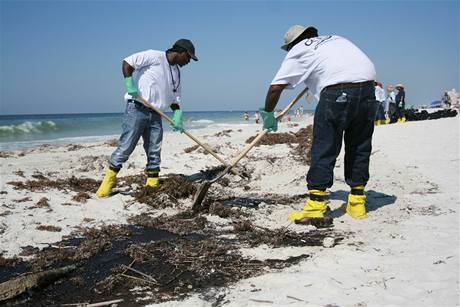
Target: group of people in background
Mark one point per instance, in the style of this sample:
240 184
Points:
450 99
391 105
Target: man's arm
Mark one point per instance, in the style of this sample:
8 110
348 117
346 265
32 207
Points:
127 69
273 95
129 83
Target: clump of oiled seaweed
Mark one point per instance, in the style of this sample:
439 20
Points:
49 228
6 154
81 197
111 143
44 184
303 151
303 138
181 223
174 187
256 235
223 133
275 138
225 211
191 148
74 147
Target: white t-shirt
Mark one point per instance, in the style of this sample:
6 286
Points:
391 98
322 61
379 94
154 78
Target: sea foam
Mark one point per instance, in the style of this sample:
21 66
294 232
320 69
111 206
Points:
27 127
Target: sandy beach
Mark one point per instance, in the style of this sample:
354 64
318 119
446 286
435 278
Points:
406 253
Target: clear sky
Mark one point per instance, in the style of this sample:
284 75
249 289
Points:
65 56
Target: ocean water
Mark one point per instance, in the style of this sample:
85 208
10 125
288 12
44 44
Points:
28 131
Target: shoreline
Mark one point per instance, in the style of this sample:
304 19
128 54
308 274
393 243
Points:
193 125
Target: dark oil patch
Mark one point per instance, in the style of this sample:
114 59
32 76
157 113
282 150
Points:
182 253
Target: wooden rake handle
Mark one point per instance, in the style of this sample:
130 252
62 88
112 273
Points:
205 147
261 135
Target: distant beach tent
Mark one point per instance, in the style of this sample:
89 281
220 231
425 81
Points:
435 104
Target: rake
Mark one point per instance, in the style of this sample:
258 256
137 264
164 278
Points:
204 187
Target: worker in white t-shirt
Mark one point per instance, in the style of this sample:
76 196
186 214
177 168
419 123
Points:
155 76
391 104
380 97
342 77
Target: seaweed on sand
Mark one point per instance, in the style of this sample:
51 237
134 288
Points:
44 184
171 189
302 137
143 264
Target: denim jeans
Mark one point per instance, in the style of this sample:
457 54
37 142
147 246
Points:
139 121
342 113
393 112
380 114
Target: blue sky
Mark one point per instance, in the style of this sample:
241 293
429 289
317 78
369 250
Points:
65 56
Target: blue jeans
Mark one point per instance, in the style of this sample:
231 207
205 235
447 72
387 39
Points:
380 111
350 116
139 121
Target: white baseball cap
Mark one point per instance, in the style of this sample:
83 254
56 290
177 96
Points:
291 35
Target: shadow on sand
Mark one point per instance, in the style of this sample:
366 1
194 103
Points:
374 201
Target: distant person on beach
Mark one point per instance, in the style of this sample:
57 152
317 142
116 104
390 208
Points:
454 98
257 117
155 76
445 100
380 97
391 103
246 116
342 77
401 103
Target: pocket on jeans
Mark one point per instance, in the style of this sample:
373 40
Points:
336 106
131 107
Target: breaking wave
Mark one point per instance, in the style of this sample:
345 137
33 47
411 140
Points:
28 128
203 121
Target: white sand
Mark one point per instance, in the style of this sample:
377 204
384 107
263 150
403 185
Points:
405 253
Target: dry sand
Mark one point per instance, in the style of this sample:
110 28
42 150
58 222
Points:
405 253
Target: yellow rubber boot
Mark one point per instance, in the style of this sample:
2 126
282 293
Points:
356 203
387 121
107 184
376 122
403 119
315 207
383 121
152 178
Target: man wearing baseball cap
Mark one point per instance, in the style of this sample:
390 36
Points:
342 78
155 76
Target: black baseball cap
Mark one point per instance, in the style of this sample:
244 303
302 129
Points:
187 45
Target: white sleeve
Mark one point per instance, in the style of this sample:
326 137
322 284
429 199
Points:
142 59
289 73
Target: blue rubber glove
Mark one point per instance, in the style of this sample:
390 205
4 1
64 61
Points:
130 88
177 120
270 122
